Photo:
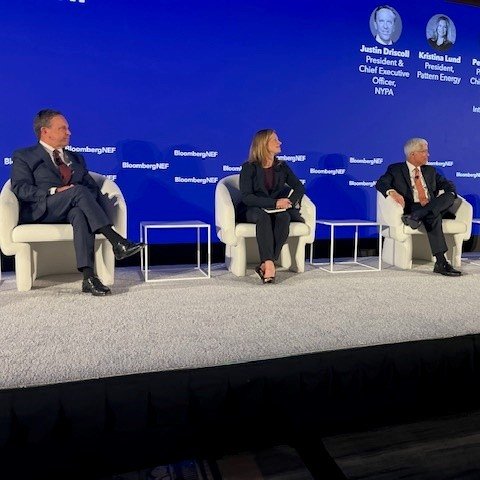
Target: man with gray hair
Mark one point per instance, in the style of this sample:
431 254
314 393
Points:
54 186
415 186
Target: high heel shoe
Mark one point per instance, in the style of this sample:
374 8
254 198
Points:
259 272
268 280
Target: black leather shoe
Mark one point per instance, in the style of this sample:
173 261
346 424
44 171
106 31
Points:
446 269
94 286
125 249
411 222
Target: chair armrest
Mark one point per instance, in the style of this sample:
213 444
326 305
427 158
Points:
9 216
465 214
114 204
308 211
389 215
389 212
224 215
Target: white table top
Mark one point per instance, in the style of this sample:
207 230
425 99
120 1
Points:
173 224
348 223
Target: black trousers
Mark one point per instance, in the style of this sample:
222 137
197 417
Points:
80 208
272 230
431 215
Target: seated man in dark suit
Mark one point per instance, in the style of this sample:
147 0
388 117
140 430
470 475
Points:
415 186
54 186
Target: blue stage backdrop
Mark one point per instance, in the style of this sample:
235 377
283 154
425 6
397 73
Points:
164 96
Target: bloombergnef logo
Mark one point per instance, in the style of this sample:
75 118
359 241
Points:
74 1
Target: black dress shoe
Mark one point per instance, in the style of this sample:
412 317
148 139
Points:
94 286
446 269
125 249
411 222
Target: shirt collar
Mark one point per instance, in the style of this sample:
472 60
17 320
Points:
50 151
48 148
411 168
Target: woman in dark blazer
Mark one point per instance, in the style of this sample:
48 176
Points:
267 183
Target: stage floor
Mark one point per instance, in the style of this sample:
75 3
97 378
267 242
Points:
56 334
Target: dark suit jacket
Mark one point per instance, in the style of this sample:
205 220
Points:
34 173
397 178
254 193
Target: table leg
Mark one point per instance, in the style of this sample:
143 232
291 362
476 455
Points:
332 238
379 247
209 253
146 254
355 253
143 252
198 248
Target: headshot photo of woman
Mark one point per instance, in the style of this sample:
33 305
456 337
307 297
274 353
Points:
441 33
270 194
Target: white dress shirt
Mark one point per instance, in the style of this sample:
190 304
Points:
64 158
411 169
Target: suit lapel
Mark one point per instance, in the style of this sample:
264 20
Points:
261 178
426 173
406 177
70 160
45 156
276 176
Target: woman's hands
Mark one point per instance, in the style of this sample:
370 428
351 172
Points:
283 203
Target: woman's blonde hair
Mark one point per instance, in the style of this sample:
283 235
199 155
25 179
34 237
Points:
258 149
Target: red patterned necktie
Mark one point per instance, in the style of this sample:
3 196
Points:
65 170
422 195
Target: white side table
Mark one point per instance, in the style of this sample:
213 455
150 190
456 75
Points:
348 223
196 224
475 221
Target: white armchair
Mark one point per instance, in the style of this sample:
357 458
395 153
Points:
240 238
45 249
402 244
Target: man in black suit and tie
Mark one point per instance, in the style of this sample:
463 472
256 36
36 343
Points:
54 186
415 186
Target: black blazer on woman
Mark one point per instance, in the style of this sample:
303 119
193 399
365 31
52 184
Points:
254 193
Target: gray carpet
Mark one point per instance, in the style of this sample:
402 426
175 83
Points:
54 333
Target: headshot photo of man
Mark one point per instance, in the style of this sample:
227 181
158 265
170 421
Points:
441 33
385 25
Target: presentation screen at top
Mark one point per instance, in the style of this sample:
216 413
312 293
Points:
164 96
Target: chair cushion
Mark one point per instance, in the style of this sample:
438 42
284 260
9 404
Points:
248 230
448 226
44 232
451 227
